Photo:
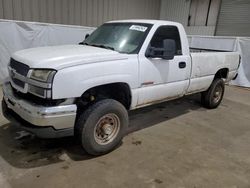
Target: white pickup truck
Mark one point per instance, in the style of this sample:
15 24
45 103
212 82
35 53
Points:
86 90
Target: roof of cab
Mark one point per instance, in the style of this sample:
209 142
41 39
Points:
158 22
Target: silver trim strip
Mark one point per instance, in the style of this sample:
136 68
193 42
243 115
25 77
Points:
46 94
39 84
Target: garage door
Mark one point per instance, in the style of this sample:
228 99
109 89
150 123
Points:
234 18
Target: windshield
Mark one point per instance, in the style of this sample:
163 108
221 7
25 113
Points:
121 37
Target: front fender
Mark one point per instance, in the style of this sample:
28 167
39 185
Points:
72 82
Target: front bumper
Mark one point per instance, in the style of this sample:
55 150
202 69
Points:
46 122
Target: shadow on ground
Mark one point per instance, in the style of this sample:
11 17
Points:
29 151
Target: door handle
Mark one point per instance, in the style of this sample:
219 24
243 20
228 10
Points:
182 65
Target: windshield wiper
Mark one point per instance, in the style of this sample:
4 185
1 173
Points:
97 45
84 43
102 46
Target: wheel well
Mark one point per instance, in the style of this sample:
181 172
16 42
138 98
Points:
222 73
117 91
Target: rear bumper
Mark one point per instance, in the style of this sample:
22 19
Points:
45 122
232 75
235 76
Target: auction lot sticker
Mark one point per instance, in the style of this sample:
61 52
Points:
138 28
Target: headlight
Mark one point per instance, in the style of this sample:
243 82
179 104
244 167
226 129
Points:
43 75
40 82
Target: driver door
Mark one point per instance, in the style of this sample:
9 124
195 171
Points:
162 79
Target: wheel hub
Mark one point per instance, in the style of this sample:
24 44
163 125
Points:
217 94
106 129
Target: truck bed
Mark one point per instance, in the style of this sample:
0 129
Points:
205 64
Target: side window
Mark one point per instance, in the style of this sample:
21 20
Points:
166 32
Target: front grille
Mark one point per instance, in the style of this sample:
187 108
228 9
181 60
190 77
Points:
18 82
20 68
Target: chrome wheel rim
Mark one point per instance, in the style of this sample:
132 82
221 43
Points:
217 94
107 129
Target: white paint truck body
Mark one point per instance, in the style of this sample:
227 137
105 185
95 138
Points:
79 68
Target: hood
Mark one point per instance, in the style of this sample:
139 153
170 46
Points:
58 57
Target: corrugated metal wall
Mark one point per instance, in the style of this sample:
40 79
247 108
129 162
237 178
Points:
234 18
175 10
78 12
178 10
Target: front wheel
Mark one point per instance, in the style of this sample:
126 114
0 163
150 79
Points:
102 126
214 95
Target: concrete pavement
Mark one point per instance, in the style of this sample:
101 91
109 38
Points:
174 144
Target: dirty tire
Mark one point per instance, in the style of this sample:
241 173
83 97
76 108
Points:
214 95
107 118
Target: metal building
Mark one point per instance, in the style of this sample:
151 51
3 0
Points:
199 17
209 17
78 12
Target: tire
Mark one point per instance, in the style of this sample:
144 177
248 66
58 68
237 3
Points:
213 96
101 127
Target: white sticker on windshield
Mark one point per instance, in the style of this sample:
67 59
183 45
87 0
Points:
138 28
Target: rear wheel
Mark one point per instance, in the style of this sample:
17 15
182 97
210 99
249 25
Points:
102 126
214 95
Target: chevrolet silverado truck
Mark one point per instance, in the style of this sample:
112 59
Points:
86 89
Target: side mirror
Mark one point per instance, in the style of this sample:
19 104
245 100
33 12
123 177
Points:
170 49
167 52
